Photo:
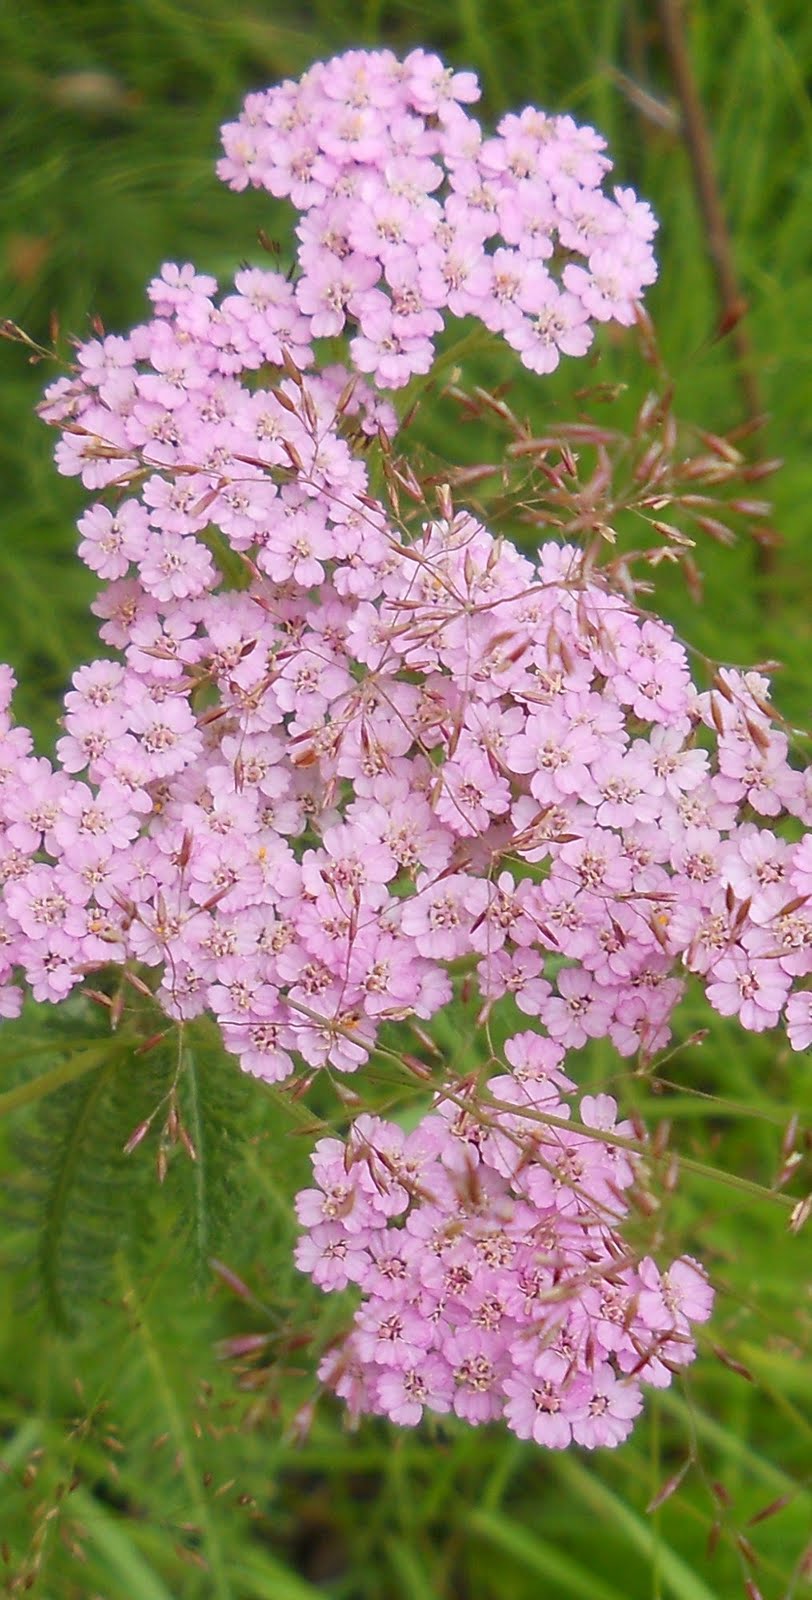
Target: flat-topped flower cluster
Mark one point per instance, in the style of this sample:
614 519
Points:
409 211
302 802
334 766
495 1281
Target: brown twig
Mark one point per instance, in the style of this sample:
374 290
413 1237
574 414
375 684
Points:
732 302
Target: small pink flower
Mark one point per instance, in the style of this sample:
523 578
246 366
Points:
605 1416
799 1020
752 987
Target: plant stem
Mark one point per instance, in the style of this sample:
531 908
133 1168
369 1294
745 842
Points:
47 1083
732 302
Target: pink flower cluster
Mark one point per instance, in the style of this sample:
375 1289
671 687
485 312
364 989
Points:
494 1281
409 211
304 801
335 767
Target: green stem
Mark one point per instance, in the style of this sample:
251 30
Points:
200 1170
700 1168
182 1432
76 1066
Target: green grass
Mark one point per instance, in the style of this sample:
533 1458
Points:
136 1462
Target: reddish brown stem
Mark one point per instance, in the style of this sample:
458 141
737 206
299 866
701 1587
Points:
732 302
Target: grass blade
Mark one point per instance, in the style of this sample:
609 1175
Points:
540 1557
109 1539
675 1573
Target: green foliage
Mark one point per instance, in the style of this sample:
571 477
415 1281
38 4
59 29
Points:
85 1181
147 1451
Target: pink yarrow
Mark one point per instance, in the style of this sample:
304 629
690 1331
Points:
334 771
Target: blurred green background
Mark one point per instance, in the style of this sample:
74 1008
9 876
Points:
140 1457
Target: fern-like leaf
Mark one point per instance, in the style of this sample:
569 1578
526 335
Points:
218 1105
84 1198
